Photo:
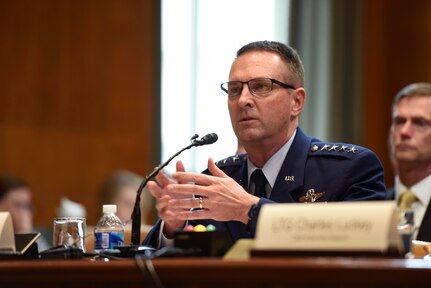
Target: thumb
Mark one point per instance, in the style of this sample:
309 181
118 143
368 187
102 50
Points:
215 171
180 166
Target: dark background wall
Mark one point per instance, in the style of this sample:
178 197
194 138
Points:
396 37
79 95
79 88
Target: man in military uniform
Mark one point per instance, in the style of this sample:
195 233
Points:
265 98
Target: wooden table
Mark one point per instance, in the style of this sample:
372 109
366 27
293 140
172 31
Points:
208 272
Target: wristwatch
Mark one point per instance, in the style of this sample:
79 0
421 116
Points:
252 213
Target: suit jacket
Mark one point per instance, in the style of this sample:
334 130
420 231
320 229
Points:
325 171
424 229
390 194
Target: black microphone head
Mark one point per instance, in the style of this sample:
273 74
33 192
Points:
208 139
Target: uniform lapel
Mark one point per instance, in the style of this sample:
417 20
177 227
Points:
291 175
293 165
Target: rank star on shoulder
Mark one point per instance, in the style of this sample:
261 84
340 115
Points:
325 147
333 148
343 148
353 149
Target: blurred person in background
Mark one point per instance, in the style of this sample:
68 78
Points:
16 198
410 154
120 189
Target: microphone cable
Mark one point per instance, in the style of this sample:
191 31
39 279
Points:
147 269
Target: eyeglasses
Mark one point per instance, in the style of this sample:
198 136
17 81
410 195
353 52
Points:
22 205
258 87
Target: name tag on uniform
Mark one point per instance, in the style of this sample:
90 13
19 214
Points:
369 226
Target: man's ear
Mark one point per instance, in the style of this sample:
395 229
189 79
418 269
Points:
298 101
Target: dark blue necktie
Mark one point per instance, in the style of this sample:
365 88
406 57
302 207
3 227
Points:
259 181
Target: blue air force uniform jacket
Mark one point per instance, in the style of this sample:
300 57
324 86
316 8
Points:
313 171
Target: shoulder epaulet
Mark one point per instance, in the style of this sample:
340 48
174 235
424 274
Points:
341 149
232 160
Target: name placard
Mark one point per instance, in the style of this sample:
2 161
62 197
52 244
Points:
7 236
335 226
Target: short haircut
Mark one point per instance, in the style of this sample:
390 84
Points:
8 183
414 89
287 54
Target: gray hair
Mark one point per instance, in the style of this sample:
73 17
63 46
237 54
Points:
414 89
287 53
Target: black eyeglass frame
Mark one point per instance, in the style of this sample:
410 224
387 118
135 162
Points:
284 85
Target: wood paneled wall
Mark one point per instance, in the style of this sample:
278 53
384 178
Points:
79 88
79 95
396 52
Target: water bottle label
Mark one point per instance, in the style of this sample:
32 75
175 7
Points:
108 240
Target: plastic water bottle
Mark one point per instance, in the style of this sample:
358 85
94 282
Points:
109 231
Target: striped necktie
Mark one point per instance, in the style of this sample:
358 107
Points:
407 198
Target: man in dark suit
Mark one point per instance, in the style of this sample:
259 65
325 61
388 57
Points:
265 98
410 151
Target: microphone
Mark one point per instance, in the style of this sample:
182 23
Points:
207 139
136 214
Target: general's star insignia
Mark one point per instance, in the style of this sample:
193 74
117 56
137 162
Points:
325 147
353 149
314 148
333 148
343 148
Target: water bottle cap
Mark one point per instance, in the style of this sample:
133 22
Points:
109 208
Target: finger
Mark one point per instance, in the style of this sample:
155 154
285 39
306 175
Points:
155 189
165 209
170 218
214 169
180 166
186 203
191 177
200 178
158 192
194 215
162 179
162 203
187 190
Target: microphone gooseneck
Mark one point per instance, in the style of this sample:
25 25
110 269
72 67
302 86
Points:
136 214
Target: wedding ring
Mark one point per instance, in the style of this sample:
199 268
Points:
201 203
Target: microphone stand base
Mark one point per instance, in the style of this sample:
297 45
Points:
130 251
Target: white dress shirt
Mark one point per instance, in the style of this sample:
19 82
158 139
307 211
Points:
272 166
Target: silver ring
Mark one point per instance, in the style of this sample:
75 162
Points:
200 203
